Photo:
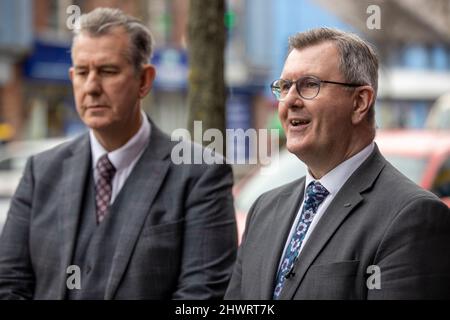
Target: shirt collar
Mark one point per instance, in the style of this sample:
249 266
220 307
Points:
123 156
335 179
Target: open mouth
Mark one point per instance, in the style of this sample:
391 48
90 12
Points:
299 122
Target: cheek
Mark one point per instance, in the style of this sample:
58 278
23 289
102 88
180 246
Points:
77 96
123 90
334 124
282 113
77 88
327 123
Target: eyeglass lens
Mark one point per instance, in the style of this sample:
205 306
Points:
307 87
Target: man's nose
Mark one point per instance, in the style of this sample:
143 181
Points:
92 85
292 97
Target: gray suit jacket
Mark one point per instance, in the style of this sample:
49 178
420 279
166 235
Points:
179 242
378 218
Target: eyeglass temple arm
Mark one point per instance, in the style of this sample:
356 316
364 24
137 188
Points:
344 84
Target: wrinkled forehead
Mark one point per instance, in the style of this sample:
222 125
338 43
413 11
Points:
321 60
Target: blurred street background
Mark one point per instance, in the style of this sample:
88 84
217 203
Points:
412 39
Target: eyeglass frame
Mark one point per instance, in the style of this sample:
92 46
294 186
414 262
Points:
290 82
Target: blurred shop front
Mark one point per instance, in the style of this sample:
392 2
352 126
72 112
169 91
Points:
15 42
167 103
48 92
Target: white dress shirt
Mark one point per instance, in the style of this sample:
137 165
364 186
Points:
333 182
125 158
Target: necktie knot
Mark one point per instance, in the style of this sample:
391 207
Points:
105 168
314 195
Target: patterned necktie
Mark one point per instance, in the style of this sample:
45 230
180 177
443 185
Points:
103 186
314 195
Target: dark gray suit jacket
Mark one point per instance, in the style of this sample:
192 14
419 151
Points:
379 217
179 241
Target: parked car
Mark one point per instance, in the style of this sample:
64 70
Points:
283 170
422 155
13 157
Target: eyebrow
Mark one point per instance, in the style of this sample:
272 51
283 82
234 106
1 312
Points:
302 76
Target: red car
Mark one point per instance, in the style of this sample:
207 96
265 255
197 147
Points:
423 156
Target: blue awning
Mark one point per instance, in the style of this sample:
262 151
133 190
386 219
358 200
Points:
49 61
171 69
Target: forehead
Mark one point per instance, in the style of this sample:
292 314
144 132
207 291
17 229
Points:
112 48
321 60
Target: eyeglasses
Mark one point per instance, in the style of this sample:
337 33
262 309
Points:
307 87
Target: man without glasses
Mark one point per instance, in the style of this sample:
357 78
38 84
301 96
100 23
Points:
112 202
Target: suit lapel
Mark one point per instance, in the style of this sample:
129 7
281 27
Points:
75 168
281 222
328 224
142 187
342 205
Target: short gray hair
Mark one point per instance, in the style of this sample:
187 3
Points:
358 59
100 21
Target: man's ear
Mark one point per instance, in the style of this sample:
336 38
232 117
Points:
363 99
71 71
147 77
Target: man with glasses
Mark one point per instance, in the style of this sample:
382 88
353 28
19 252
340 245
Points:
354 227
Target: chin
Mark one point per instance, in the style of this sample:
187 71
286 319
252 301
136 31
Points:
294 147
297 147
97 124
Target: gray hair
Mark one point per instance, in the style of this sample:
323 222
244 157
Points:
102 20
358 59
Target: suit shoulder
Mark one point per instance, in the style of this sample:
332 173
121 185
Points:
393 182
286 189
394 197
59 152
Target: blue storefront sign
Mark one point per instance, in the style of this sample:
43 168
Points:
171 69
238 116
49 61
